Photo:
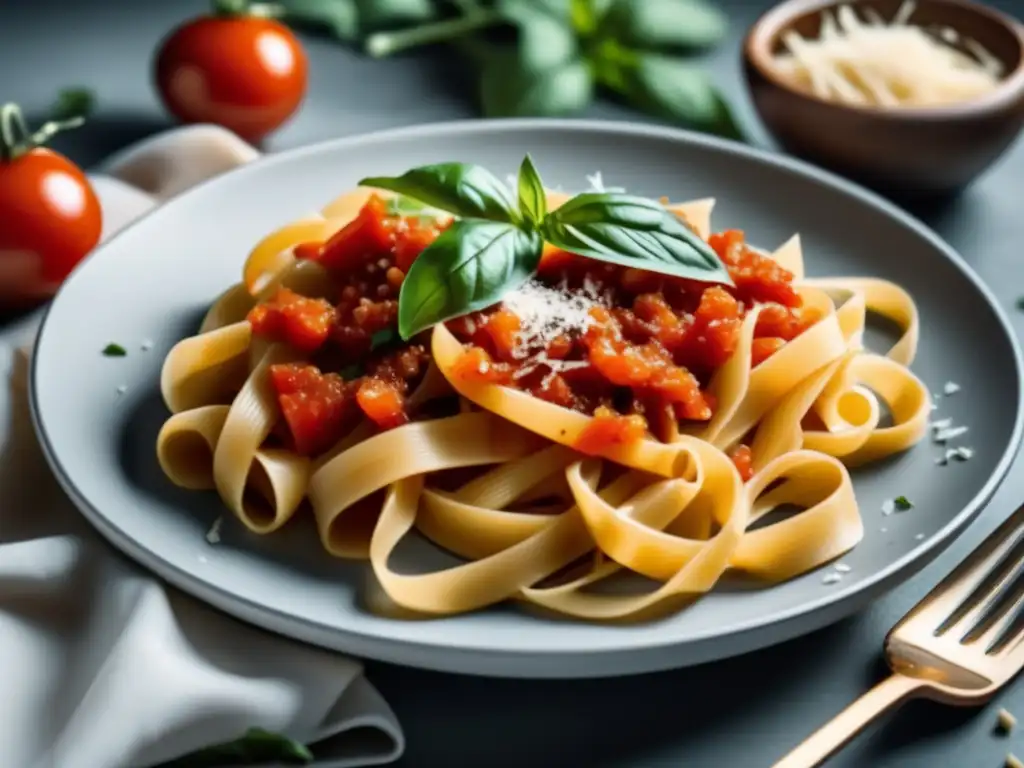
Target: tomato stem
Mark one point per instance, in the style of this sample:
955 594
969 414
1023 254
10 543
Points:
15 137
381 44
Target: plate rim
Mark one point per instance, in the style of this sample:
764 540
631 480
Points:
834 604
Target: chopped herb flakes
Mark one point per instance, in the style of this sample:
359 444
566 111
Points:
902 503
114 350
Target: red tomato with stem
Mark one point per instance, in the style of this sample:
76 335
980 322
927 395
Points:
236 68
50 217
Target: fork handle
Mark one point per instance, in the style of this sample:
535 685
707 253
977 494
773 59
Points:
834 735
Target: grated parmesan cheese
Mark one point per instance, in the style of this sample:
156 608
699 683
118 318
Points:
950 388
1006 722
946 434
832 578
213 535
843 568
545 313
877 64
888 507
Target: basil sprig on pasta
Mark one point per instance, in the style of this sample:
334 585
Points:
495 246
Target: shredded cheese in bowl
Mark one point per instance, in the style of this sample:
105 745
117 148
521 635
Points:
867 61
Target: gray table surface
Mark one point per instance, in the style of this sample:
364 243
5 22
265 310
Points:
743 712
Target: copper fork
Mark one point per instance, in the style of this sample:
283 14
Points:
959 645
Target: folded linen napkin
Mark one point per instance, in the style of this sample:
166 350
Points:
101 664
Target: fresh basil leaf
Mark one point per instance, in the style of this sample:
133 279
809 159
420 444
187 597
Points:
400 205
532 200
72 103
676 90
466 190
635 232
114 350
470 266
256 747
543 40
520 10
507 90
586 16
339 18
669 25
388 14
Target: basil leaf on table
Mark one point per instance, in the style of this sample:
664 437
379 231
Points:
470 266
635 232
256 747
510 91
73 103
664 24
532 200
340 18
466 190
672 89
586 15
543 40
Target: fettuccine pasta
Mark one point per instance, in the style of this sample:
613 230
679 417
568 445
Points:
601 421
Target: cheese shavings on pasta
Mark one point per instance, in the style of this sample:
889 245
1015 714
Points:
873 63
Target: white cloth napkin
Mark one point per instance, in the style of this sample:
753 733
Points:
102 665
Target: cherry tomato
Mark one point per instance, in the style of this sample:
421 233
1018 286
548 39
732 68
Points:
50 216
239 70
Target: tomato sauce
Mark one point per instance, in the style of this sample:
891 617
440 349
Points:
359 366
641 361
646 356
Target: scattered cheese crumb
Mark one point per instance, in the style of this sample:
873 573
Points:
147 345
962 453
940 424
950 388
843 568
888 507
213 535
947 434
1012 761
919 537
885 530
831 578
1006 721
122 389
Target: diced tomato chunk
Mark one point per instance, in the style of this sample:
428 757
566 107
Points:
503 328
317 407
743 459
608 428
294 319
715 332
308 251
476 366
411 239
382 402
758 277
365 237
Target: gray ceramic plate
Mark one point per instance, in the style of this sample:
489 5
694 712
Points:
156 279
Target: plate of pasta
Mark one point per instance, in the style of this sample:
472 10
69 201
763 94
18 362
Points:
445 397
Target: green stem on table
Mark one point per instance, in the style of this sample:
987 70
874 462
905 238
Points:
381 44
246 8
15 137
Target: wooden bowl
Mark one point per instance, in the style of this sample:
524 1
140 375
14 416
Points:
907 151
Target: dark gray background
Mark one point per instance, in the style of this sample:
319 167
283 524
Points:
742 712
